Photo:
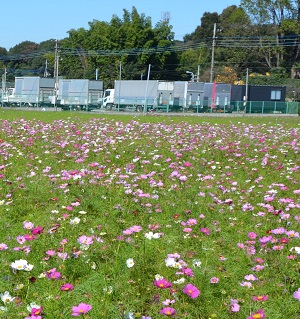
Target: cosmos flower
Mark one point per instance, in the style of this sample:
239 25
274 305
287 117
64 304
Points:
168 311
191 291
66 287
214 280
6 297
21 264
260 298
162 283
234 306
130 262
260 314
81 309
297 294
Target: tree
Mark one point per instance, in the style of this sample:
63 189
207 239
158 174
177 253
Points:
272 13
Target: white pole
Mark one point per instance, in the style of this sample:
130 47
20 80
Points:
146 93
198 74
56 75
246 93
120 78
213 54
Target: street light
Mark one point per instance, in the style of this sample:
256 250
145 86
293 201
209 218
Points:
192 75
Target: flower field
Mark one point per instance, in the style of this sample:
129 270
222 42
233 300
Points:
149 217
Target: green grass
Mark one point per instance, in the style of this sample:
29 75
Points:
171 175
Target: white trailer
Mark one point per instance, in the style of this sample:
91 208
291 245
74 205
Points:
131 94
77 94
29 91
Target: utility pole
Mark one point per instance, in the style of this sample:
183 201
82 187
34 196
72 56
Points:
56 58
198 74
213 54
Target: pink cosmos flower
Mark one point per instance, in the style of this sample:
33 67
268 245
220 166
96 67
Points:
81 309
21 239
260 298
234 306
28 225
127 232
53 274
62 256
50 252
85 240
258 268
135 228
3 246
66 287
214 280
162 283
260 314
205 231
191 291
250 277
168 311
168 302
297 294
252 235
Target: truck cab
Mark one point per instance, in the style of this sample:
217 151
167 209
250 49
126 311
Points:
108 99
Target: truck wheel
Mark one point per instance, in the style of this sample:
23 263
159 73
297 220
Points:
109 106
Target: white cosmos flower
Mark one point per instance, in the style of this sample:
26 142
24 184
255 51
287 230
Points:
75 221
158 277
6 297
151 235
179 281
21 264
130 262
108 290
197 263
296 250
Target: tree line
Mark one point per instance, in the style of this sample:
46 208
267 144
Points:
258 39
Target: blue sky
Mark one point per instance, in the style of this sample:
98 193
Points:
40 20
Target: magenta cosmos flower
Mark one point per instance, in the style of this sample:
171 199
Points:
260 298
259 314
81 309
191 291
162 283
168 311
66 287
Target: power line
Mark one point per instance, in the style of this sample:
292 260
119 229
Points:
220 42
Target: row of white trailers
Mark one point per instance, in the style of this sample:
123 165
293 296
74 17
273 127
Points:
86 94
41 92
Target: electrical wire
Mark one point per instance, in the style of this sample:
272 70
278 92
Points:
249 42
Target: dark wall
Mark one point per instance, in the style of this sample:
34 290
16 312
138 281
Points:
258 93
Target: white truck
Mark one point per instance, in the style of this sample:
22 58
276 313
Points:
140 95
79 94
29 91
131 94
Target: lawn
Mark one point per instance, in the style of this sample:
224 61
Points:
118 216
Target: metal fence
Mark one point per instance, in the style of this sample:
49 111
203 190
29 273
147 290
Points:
159 105
264 107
